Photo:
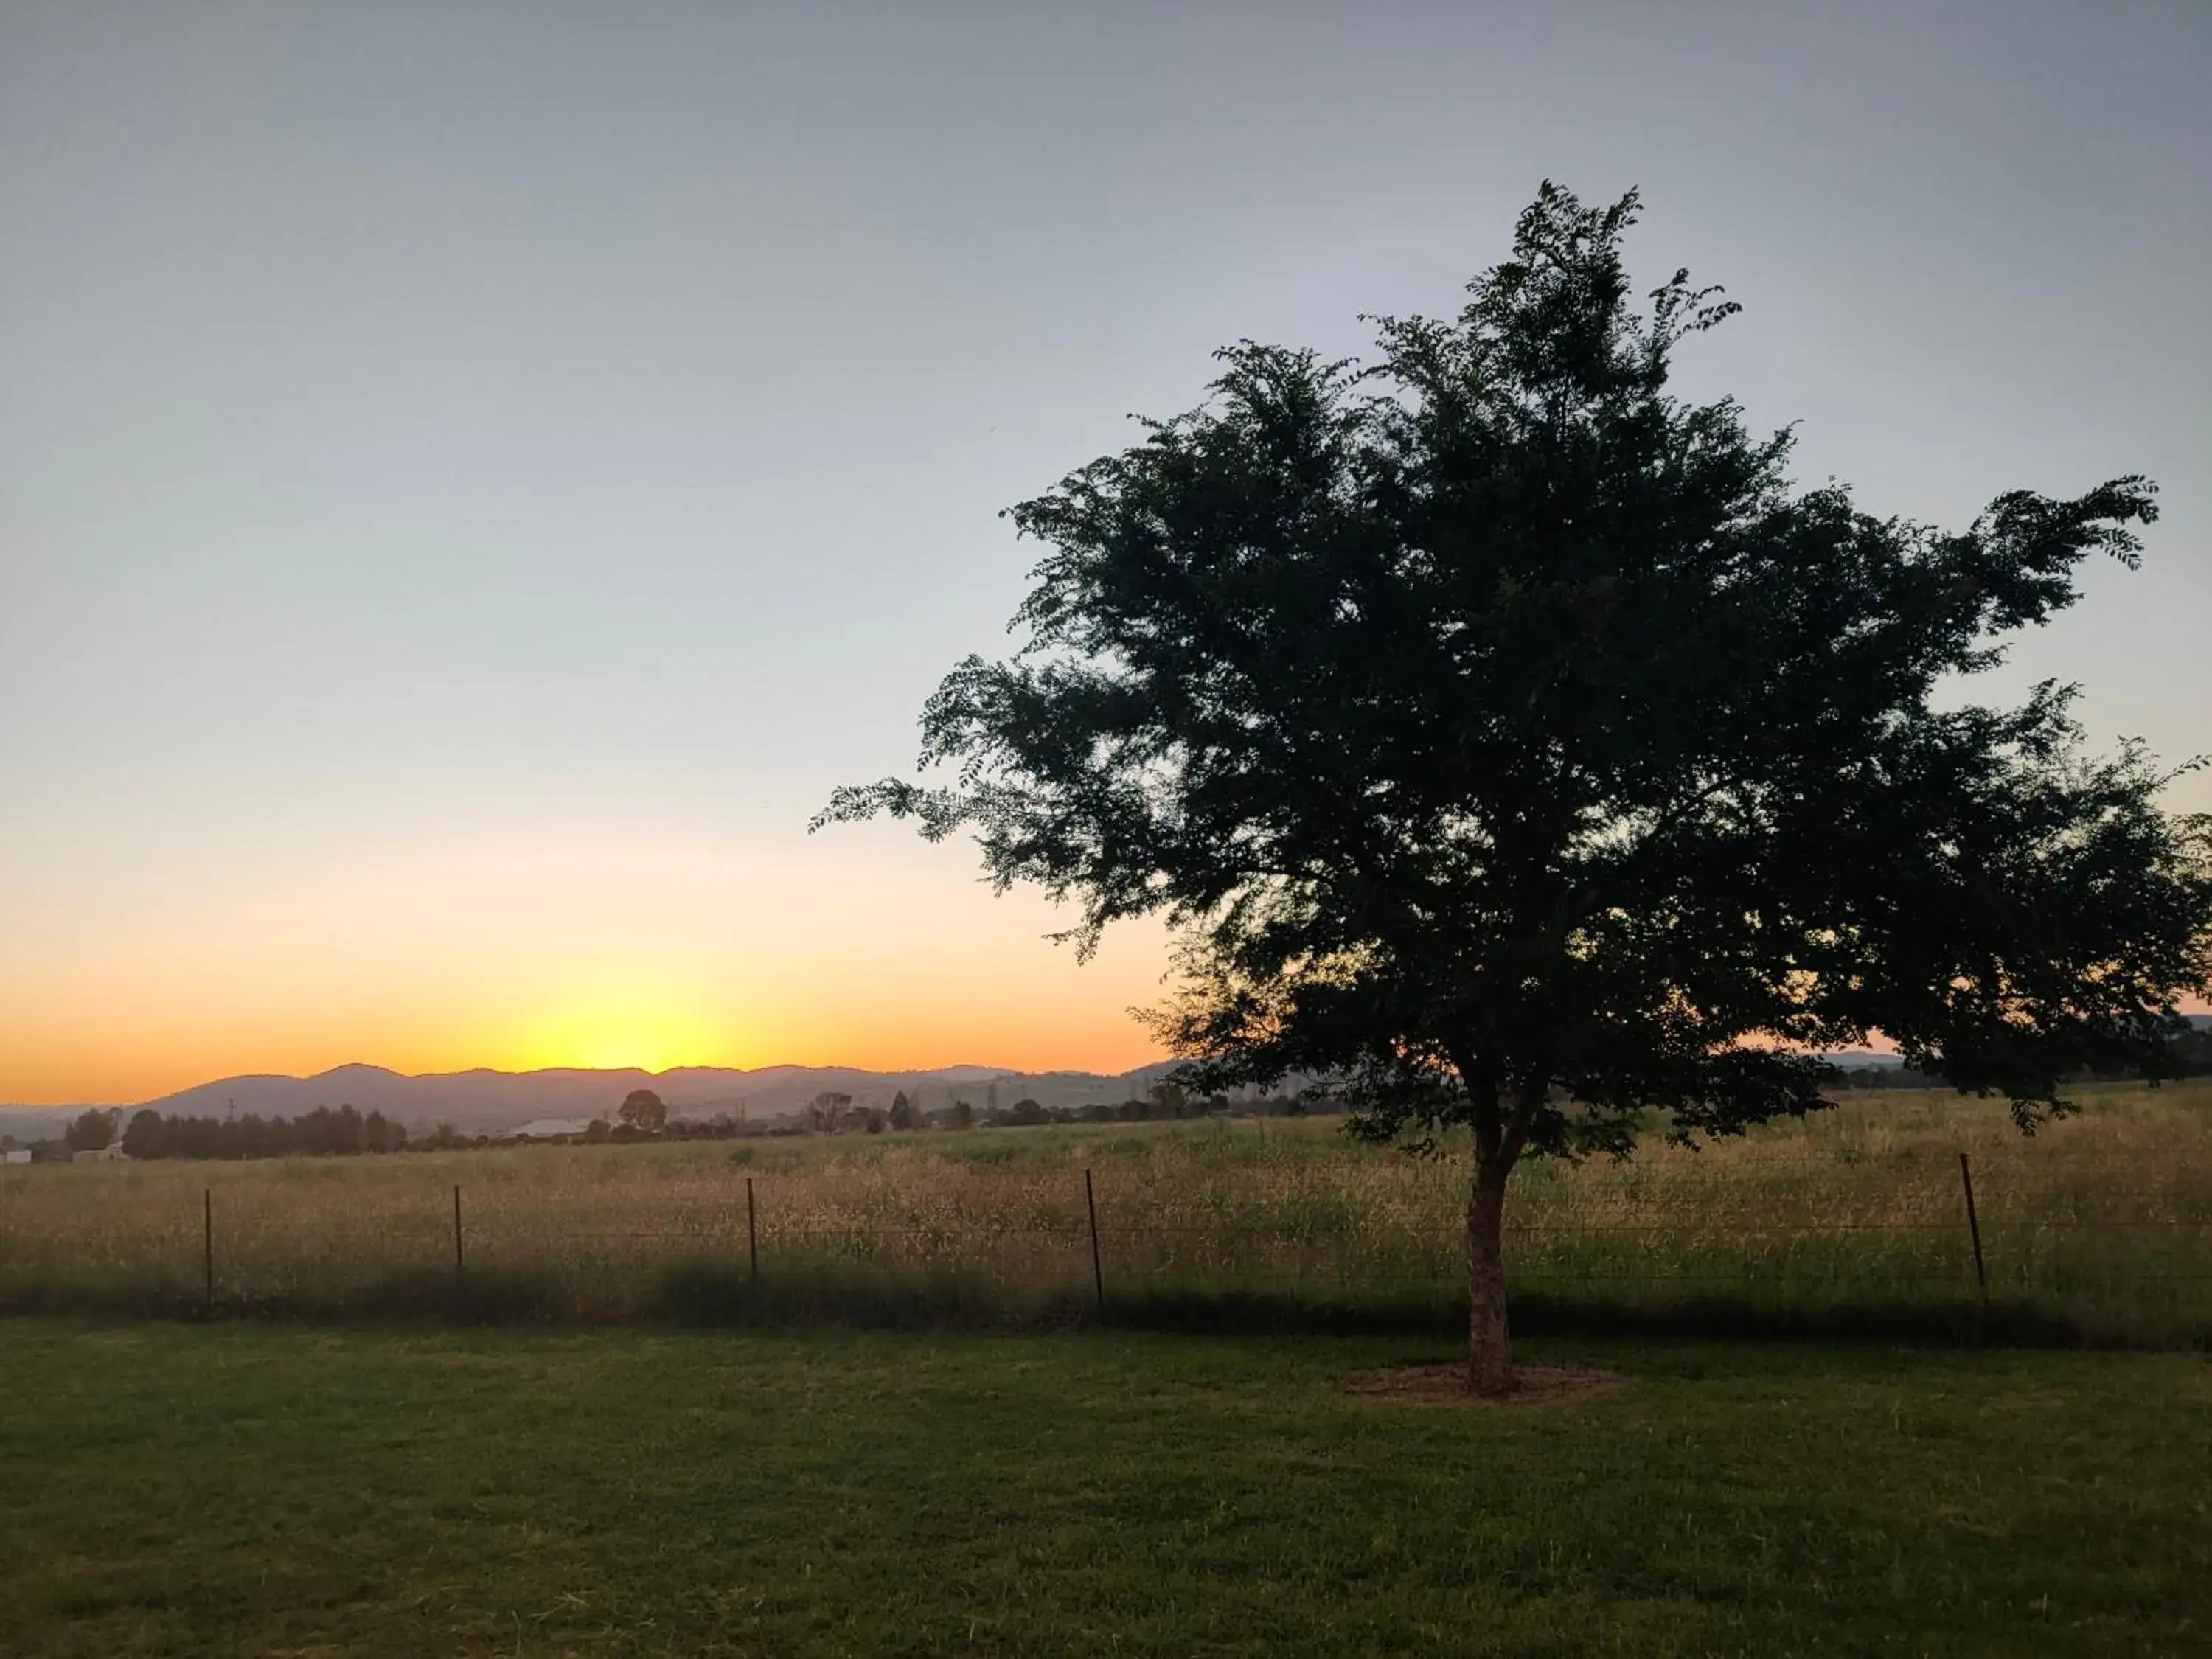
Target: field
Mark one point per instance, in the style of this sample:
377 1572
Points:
244 1488
2098 1229
347 1452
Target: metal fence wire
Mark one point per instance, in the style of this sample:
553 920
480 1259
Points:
1076 1240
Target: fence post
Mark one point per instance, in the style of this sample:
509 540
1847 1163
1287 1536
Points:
1974 1228
207 1249
459 1268
1097 1272
752 1233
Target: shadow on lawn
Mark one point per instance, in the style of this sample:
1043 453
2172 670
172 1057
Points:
712 1295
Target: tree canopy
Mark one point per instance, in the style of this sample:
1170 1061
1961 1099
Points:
91 1130
641 1109
1513 741
321 1132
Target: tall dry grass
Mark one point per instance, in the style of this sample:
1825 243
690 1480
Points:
2100 1225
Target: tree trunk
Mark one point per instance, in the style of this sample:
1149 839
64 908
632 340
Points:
1489 1344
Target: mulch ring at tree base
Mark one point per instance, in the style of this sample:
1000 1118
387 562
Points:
1445 1384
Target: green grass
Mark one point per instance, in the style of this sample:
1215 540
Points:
240 1489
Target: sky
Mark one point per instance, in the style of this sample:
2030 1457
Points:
473 477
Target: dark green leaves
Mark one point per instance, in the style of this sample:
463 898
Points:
1511 742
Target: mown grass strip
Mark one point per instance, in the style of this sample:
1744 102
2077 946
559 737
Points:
237 1488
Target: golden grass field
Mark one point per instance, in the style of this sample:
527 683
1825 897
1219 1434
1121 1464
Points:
2102 1221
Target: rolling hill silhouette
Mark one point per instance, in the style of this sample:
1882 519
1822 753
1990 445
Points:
487 1100
482 1100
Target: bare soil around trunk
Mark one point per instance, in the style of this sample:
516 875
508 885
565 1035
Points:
1445 1384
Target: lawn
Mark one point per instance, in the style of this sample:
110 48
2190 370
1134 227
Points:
240 1488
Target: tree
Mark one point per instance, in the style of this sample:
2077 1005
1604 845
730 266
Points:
1509 742
905 1115
644 1110
826 1112
146 1136
90 1131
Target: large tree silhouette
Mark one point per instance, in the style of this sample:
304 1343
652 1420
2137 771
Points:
641 1109
1511 741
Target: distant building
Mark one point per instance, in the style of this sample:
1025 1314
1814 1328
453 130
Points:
16 1155
110 1154
551 1128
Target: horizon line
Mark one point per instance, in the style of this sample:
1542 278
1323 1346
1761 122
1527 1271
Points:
539 1071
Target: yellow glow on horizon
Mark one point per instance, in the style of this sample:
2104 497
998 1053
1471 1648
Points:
587 950
622 1027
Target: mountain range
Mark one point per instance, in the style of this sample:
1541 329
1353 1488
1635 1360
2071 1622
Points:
484 1101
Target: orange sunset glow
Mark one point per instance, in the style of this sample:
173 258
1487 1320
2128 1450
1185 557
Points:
469 492
654 953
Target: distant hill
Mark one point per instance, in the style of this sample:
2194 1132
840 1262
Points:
484 1100
29 1124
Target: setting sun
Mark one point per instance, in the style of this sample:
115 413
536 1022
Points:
630 1026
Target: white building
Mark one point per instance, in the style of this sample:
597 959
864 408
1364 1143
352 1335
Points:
546 1128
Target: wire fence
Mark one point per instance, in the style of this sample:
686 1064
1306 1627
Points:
2091 1265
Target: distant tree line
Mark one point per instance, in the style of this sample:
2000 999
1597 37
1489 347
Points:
321 1133
2191 1051
833 1112
326 1132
